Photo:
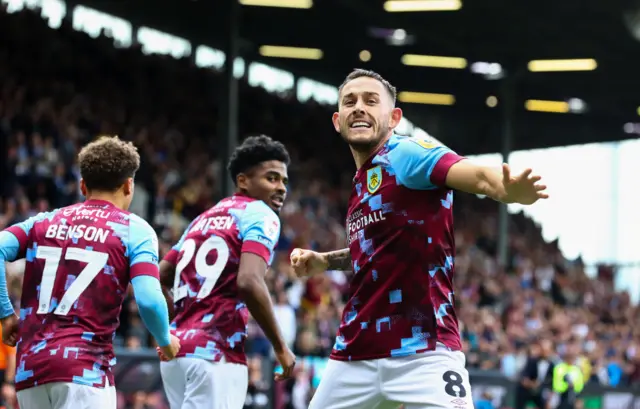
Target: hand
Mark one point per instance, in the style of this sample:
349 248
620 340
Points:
167 353
287 361
523 188
308 262
10 326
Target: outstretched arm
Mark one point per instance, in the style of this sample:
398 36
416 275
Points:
501 186
419 164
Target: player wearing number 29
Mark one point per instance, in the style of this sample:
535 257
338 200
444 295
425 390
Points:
79 262
398 342
217 270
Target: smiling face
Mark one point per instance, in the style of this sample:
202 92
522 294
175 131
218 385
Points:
366 114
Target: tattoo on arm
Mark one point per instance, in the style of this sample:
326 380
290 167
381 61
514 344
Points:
339 260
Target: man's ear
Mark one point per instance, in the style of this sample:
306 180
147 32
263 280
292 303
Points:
242 181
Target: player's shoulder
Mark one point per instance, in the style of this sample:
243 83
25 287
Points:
138 223
258 207
257 213
34 221
411 144
141 232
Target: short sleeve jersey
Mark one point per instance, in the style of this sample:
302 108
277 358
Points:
211 320
400 235
79 262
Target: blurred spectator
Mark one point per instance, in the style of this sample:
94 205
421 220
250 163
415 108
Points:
535 379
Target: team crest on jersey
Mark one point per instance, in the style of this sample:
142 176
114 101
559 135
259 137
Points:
374 179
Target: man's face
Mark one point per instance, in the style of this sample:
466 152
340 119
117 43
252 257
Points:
267 182
365 113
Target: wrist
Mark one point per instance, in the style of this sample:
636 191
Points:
324 260
12 383
164 341
280 346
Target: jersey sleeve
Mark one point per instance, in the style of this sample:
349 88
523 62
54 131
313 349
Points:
172 255
143 249
421 164
260 230
9 247
23 229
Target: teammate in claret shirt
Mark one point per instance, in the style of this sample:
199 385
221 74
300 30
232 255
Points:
79 262
216 272
398 342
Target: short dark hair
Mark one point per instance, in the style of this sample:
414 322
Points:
359 73
253 151
106 163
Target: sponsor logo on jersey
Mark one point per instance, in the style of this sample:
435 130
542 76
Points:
425 143
374 179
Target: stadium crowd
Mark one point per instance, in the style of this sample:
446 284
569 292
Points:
61 88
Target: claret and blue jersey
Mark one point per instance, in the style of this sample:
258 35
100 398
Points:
211 320
79 262
400 234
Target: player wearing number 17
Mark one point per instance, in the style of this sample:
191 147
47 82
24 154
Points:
217 271
79 262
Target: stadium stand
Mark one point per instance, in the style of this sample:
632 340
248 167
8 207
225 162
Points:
59 89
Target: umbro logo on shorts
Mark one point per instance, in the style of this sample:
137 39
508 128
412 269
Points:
459 402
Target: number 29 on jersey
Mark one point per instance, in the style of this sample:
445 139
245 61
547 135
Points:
211 272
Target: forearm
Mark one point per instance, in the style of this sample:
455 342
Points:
9 247
468 177
338 260
256 296
152 307
489 183
167 276
10 372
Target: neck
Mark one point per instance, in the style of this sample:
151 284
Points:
361 156
107 197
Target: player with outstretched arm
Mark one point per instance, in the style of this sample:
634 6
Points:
398 342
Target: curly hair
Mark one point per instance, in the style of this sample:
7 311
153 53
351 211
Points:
106 163
359 73
253 151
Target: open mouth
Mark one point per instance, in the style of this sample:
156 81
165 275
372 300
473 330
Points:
277 201
360 125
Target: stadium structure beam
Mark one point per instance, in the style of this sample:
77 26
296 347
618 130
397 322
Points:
508 90
229 107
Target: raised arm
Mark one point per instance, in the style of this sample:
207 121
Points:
423 165
501 186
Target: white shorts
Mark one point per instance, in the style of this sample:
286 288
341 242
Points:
193 383
67 395
431 380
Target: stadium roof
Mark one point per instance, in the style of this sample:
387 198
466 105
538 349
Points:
600 101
